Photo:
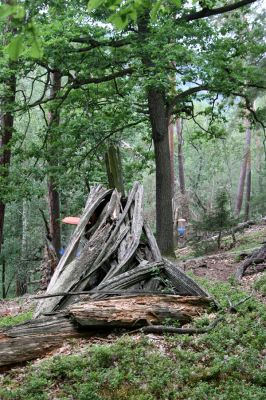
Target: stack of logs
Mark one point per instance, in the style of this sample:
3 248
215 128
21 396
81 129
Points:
112 274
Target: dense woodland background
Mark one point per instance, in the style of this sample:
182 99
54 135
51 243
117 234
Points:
75 83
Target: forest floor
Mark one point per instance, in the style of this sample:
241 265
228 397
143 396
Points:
227 363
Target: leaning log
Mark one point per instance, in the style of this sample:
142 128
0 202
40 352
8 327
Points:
117 252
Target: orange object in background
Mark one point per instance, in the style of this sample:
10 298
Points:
71 220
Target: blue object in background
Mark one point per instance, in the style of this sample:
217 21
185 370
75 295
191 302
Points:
181 231
61 251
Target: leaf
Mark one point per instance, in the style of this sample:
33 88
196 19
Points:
35 49
6 10
120 21
19 12
176 2
155 8
15 47
92 4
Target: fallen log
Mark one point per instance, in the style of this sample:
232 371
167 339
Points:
257 257
37 337
138 310
111 254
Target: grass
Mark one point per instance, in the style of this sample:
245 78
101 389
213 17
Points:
10 320
260 285
225 364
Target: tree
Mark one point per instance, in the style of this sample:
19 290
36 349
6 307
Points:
190 38
217 220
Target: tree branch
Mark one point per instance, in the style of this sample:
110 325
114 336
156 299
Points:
185 94
209 12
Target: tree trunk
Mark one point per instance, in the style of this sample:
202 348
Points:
172 155
248 188
53 194
21 276
164 212
114 169
7 123
181 173
3 278
159 119
243 171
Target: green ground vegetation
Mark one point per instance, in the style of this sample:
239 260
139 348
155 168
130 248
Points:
228 363
10 320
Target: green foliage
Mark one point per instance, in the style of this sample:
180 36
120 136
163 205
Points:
216 221
260 285
226 363
10 320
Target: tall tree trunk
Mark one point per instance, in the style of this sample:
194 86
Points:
172 155
53 193
3 278
159 119
243 170
164 213
114 169
181 173
248 188
21 276
7 124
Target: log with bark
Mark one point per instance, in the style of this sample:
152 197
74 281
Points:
111 275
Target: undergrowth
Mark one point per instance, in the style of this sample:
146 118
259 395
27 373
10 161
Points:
228 363
10 320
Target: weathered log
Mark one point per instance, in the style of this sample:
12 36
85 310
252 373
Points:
257 257
97 196
35 338
254 269
139 310
119 252
181 282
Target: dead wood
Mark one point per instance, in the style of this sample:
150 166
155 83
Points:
112 274
35 338
138 310
181 331
257 257
118 252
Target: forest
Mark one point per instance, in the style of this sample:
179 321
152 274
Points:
133 159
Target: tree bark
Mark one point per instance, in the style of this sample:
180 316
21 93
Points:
164 212
248 188
21 275
3 278
53 193
114 169
181 173
172 156
7 125
243 170
159 119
